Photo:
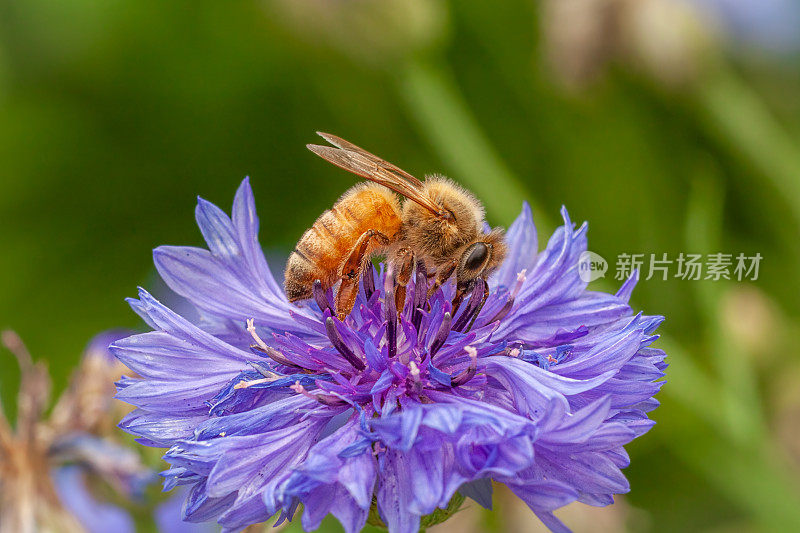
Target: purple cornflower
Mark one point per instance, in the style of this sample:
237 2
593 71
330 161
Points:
265 405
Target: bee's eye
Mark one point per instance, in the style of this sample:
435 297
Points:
476 257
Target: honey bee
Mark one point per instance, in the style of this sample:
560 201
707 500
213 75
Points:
439 226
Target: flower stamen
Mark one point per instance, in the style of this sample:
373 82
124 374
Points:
244 384
262 347
321 298
299 389
420 294
368 280
475 303
501 314
441 335
251 329
391 315
469 373
414 370
341 347
324 399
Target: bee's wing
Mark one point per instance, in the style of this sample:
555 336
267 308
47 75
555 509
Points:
375 169
347 145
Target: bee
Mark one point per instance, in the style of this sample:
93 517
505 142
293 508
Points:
438 226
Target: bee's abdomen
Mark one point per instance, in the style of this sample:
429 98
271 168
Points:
323 248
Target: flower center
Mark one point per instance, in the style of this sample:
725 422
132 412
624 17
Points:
399 343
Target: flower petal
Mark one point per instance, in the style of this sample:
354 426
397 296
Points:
231 279
522 248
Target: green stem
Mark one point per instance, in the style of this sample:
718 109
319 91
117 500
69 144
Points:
740 404
740 120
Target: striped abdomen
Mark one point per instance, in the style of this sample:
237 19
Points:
328 243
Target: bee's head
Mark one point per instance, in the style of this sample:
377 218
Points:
458 223
480 258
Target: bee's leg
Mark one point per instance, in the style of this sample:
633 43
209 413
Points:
442 275
351 270
404 259
458 298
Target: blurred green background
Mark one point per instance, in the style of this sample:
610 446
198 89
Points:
670 125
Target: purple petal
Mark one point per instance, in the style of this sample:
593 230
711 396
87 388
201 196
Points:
543 495
165 429
480 491
522 248
395 494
